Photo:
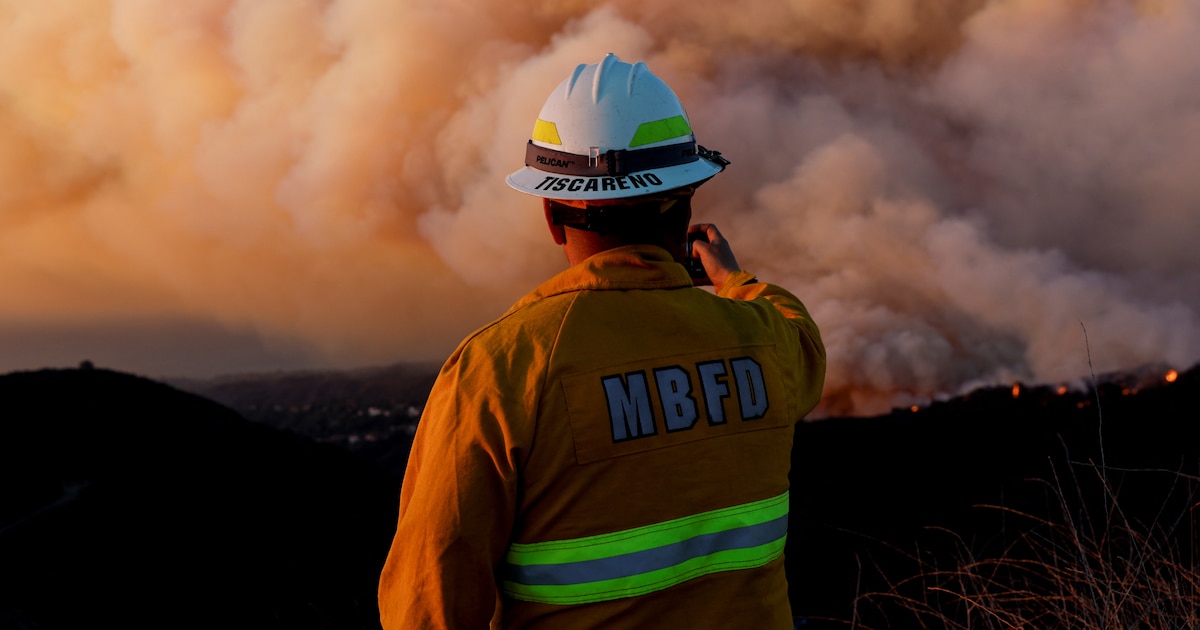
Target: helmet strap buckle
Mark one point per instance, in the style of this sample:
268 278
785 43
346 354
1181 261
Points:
591 218
712 156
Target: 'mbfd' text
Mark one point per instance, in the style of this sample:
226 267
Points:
638 401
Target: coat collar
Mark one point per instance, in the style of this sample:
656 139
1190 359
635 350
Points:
620 268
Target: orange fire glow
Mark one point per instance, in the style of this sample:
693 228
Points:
1172 375
1016 390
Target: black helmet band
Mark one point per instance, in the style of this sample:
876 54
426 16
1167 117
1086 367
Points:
612 163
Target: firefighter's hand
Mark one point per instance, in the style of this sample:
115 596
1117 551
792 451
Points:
716 255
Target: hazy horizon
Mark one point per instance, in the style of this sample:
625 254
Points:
955 189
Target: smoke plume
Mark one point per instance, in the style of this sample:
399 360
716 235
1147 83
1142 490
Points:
955 189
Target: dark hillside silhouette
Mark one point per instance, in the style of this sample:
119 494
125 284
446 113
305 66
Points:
129 504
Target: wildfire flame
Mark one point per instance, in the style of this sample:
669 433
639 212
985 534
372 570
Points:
1016 390
1172 375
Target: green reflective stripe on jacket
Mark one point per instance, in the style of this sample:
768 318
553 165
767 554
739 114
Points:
646 559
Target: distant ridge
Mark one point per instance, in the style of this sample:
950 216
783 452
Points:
409 382
130 504
371 412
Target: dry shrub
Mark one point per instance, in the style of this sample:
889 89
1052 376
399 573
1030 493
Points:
1087 562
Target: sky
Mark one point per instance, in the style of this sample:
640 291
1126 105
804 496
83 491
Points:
963 193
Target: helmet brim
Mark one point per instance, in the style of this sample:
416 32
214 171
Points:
538 183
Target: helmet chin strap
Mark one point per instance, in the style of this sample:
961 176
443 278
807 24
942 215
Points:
591 218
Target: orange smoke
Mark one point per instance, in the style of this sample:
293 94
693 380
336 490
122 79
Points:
950 187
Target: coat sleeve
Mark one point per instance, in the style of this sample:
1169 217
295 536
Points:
808 380
456 505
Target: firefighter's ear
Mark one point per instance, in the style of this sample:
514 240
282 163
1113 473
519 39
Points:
556 231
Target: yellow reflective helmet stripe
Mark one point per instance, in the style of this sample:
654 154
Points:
659 130
647 559
546 131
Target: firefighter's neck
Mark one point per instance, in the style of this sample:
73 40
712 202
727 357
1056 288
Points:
579 245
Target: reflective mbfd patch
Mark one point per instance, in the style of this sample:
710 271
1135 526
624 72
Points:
634 407
630 403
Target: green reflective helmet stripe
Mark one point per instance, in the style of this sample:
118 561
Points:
659 130
646 559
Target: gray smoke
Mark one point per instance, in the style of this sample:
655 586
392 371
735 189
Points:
952 188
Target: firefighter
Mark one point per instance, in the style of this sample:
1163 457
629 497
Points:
612 452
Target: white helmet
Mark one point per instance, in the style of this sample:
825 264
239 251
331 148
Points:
612 130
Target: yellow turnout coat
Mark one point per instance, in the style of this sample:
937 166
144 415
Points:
611 453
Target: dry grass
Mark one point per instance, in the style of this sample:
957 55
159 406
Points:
1085 563
1082 560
